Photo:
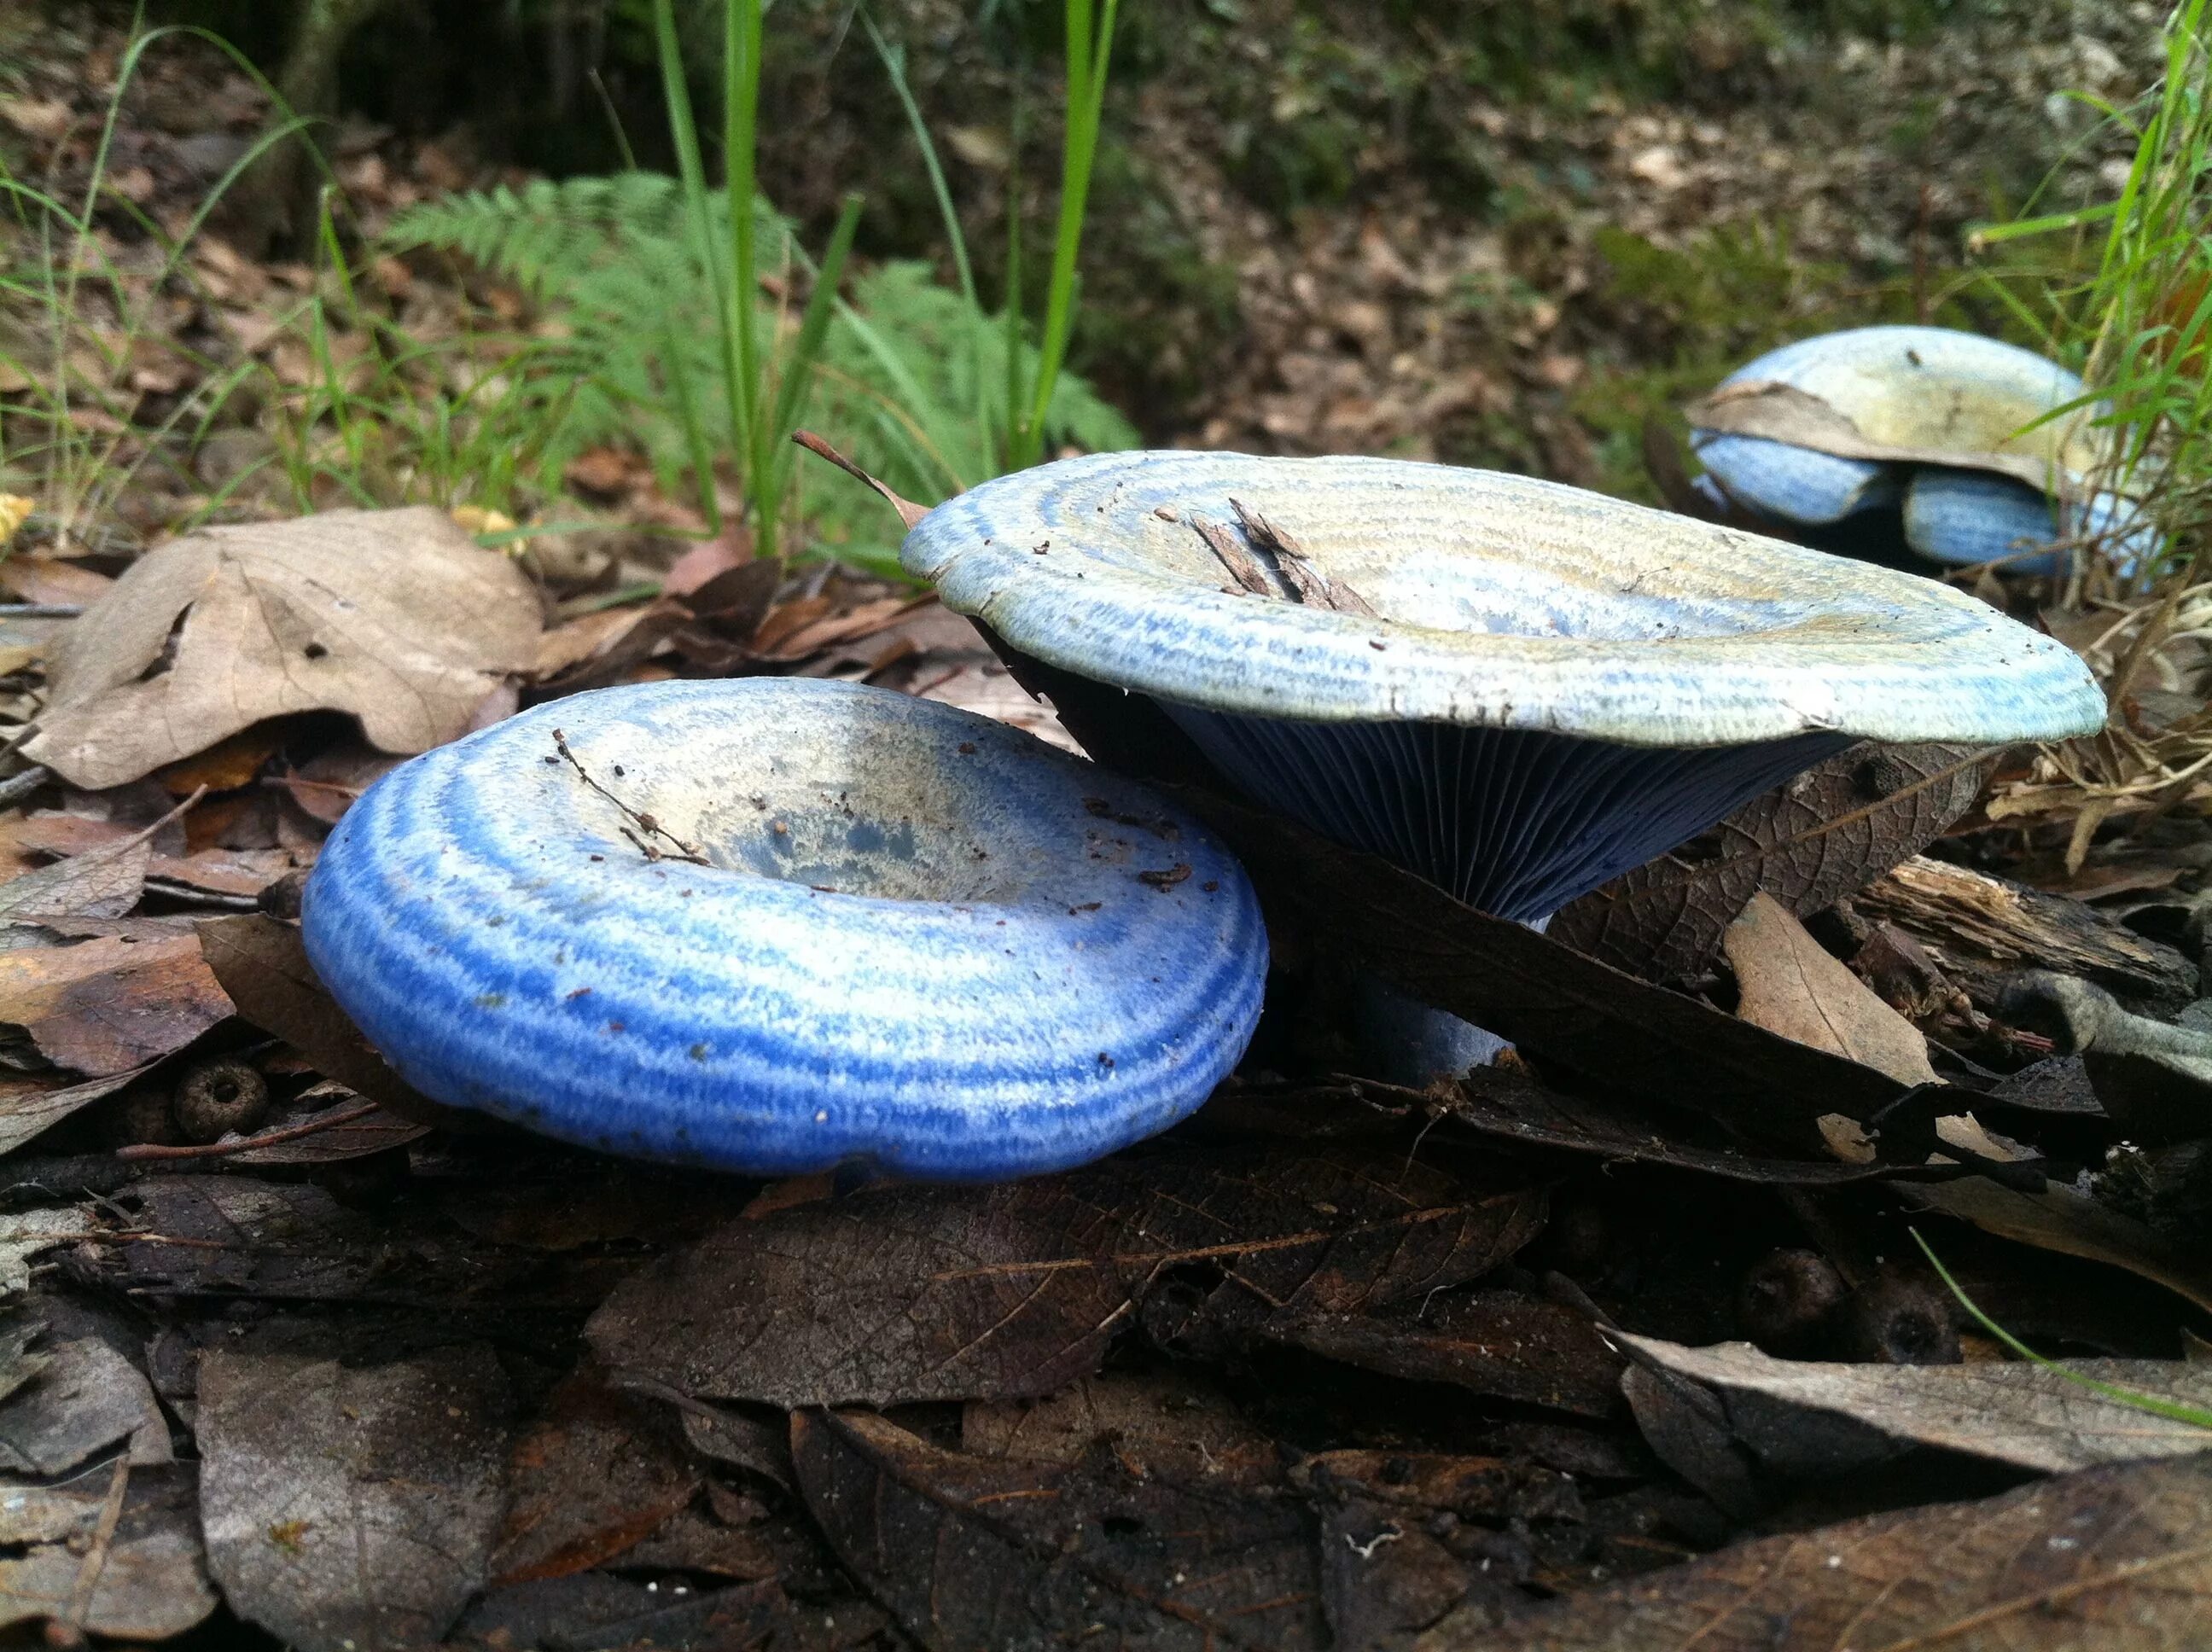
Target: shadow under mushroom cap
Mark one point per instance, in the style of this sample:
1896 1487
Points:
921 938
1501 602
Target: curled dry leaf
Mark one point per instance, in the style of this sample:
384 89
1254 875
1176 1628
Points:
2112 1558
949 1293
1831 830
351 1508
2028 1416
394 617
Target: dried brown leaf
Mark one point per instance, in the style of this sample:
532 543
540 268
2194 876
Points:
84 1397
263 965
1808 843
395 616
2072 1223
590 1479
1789 984
107 1006
31 1106
1154 1423
943 1293
351 1508
971 1552
2029 1416
1496 1342
152 1583
2116 1558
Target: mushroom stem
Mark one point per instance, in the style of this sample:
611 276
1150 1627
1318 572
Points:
1405 1042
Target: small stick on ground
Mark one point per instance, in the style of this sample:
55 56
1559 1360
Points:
1315 588
644 823
67 1629
909 512
138 1150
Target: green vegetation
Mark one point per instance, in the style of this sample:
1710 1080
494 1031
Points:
2124 293
2196 1416
667 322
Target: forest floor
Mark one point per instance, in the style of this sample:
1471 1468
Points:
1629 1341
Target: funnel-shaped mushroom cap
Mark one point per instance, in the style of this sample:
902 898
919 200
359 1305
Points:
1551 686
918 937
1500 602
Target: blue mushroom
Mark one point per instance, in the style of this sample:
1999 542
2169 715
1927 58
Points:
1536 687
1954 429
777 926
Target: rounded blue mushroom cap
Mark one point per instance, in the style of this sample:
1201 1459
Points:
1536 688
776 925
1965 442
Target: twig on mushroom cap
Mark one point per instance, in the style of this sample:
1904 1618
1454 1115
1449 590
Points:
1315 588
645 823
1242 565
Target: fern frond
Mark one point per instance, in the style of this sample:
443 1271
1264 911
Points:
912 369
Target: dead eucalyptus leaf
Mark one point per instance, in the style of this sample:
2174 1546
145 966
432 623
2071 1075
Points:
106 1006
395 616
915 1293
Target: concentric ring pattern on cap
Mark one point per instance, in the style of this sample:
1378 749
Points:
926 940
1503 602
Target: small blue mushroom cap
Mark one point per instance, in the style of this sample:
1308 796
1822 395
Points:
912 937
1957 428
1793 484
1965 517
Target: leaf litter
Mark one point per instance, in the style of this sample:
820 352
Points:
1334 1363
